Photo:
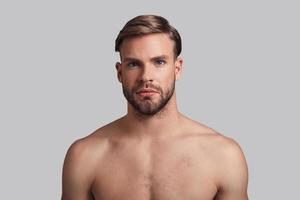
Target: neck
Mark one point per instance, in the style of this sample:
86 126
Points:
163 123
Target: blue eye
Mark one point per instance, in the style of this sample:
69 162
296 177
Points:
160 62
132 64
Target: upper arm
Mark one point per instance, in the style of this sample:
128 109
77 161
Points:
76 176
233 181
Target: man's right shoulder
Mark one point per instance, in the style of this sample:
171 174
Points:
84 153
96 143
80 162
88 144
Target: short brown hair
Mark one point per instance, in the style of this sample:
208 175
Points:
148 24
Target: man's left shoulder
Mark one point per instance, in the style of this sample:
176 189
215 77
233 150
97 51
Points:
230 160
218 144
229 165
226 147
230 147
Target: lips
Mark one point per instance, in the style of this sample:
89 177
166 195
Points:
146 91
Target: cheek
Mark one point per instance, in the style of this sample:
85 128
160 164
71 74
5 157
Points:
167 81
169 77
129 82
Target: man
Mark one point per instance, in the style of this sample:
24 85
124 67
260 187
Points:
154 152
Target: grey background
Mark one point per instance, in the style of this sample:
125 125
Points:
58 83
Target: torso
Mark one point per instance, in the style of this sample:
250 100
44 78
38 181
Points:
182 167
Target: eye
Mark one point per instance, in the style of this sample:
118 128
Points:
160 62
132 64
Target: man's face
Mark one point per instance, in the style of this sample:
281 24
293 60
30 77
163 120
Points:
148 63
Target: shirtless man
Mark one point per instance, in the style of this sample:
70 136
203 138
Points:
153 152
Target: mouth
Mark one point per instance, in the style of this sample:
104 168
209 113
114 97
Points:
146 92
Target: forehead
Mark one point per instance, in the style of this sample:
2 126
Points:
147 46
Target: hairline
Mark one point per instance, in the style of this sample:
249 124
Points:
175 56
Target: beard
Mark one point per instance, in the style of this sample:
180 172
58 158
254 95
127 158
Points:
149 105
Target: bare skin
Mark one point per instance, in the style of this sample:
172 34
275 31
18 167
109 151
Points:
149 155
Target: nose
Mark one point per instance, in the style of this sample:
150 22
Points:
147 73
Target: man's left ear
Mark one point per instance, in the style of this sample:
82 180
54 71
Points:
178 68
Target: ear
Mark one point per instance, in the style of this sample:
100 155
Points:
178 68
119 71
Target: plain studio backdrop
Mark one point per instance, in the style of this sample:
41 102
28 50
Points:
58 83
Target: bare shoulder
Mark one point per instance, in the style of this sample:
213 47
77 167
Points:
77 176
227 161
223 149
226 146
80 165
83 154
230 167
215 141
91 145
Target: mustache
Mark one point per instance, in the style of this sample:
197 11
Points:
148 86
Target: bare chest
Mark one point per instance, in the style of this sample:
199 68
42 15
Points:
161 174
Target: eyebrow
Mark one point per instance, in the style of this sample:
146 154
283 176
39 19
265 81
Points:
152 59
